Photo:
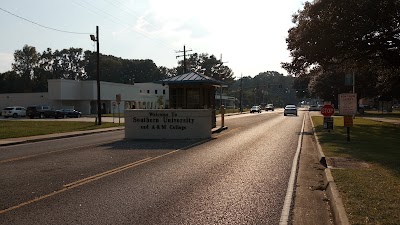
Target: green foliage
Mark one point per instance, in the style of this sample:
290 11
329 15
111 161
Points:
209 66
31 69
266 87
332 38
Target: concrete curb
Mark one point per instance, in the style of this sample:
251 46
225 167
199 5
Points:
321 155
336 204
338 211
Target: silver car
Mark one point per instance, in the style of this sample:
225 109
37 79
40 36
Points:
290 109
14 111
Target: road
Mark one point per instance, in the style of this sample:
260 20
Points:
240 176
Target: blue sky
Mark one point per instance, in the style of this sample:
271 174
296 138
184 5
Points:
250 35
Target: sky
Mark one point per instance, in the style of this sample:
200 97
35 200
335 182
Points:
250 36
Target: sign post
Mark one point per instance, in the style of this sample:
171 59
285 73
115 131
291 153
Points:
118 99
328 111
113 106
348 108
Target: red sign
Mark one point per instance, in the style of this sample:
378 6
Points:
327 110
348 121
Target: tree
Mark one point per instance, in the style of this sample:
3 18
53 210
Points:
342 36
10 82
72 63
25 62
209 66
266 87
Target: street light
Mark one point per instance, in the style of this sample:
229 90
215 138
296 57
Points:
96 39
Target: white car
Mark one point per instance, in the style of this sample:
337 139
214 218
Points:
314 108
290 109
14 111
269 107
255 108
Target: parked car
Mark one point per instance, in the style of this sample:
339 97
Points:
64 113
14 111
40 111
255 108
290 109
269 107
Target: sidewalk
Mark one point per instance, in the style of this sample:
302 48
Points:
387 120
311 203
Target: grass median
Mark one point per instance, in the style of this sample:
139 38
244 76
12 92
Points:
366 169
15 129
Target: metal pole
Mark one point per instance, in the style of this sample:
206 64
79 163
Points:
220 96
354 83
119 116
241 83
98 78
184 59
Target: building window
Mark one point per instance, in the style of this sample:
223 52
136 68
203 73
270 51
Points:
140 91
148 91
163 91
155 91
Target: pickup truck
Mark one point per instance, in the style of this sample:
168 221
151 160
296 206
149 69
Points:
40 111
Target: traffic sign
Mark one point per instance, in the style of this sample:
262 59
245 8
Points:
327 110
328 122
348 121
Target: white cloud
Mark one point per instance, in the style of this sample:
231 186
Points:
6 59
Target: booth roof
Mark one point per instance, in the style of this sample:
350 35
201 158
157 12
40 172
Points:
192 77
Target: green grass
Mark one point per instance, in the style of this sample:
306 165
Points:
370 195
14 129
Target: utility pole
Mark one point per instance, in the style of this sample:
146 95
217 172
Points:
221 77
240 97
184 58
96 39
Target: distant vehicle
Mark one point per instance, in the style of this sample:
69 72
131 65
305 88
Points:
290 109
14 111
40 111
314 108
64 113
255 108
270 107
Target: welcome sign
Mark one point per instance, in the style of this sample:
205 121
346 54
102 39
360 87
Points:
168 123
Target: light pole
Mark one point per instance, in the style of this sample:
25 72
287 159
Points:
96 39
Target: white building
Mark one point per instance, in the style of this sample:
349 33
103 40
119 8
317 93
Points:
82 96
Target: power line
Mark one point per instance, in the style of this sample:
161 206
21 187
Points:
50 28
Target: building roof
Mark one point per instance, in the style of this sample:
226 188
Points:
192 78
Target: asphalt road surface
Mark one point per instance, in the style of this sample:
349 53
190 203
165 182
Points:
240 176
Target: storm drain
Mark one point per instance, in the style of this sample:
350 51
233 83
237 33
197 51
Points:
346 163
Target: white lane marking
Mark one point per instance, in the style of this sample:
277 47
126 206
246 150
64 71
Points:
289 192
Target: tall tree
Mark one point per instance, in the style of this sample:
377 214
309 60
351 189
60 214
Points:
209 66
340 36
25 62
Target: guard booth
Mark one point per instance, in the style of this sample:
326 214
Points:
193 91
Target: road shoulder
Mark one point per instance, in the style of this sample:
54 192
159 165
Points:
311 205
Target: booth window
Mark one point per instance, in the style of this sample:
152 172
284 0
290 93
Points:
193 98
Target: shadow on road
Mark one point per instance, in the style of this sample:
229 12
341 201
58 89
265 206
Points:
155 144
